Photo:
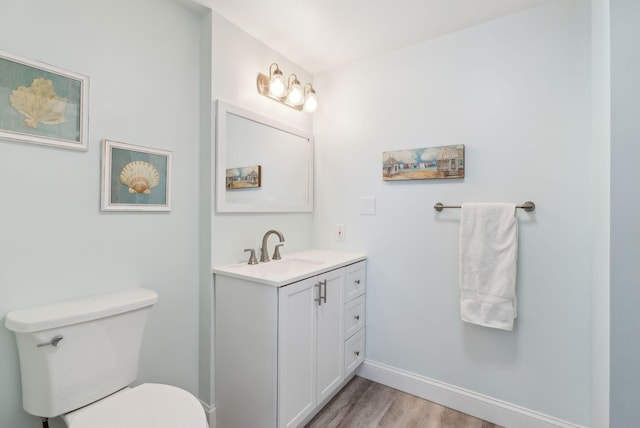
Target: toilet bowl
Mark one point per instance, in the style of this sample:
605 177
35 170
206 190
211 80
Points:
149 405
78 359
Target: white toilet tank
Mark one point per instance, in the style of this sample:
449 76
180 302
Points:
96 356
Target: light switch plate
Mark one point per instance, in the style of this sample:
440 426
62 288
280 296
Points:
368 205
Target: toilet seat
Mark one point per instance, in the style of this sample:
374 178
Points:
149 405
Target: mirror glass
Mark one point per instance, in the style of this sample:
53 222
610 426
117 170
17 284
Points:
261 165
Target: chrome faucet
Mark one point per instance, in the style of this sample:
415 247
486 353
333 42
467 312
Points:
264 253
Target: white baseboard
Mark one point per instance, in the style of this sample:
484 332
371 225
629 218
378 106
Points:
481 406
210 411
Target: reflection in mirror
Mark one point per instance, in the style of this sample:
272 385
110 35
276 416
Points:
261 165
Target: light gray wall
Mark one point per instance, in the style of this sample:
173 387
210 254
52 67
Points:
625 206
237 59
206 212
601 194
516 92
143 60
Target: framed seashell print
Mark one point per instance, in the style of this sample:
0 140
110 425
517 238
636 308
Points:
135 178
43 104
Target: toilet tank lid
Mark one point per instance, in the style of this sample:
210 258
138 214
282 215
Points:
60 314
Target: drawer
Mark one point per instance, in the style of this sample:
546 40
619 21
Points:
353 352
356 280
354 316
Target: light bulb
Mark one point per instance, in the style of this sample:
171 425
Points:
276 84
310 102
295 94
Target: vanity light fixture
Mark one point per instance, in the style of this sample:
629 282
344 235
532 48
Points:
289 93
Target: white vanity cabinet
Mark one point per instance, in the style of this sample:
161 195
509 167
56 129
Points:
310 345
281 349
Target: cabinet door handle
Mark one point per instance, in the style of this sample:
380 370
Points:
357 353
324 297
357 281
319 299
357 317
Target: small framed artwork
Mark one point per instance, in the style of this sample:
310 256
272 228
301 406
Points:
424 164
43 104
135 178
246 177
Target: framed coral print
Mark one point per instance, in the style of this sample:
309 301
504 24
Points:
135 178
43 104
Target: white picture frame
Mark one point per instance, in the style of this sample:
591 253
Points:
135 178
43 104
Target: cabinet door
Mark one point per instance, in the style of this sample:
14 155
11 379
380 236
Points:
296 352
330 333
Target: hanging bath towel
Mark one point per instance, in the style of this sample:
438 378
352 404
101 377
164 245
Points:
488 256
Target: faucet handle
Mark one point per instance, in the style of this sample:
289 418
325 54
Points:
276 252
252 257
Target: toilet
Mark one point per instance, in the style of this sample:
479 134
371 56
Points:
79 357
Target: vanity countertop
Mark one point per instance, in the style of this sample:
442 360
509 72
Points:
293 267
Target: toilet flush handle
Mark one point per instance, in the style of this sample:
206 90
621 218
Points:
54 341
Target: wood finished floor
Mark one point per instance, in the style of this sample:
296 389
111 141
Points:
366 404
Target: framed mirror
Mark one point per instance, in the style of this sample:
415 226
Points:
261 165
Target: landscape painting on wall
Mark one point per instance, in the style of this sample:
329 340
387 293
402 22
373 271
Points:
245 177
424 164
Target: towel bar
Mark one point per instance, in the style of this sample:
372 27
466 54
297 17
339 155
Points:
527 206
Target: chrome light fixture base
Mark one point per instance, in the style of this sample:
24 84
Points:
263 89
309 100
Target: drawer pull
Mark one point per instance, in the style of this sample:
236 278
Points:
357 353
357 317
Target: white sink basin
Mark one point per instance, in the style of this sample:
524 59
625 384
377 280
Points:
291 268
283 267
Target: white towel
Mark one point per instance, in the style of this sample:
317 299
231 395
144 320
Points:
488 256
